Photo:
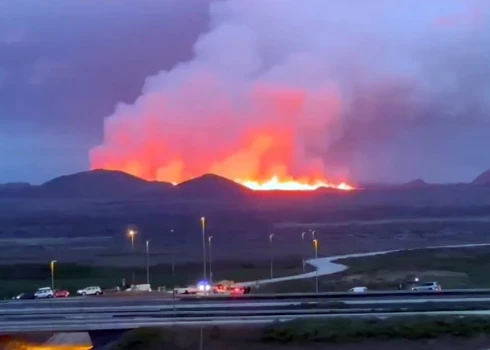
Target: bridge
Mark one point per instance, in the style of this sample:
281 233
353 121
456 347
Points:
105 317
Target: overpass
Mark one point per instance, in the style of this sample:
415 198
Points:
106 318
105 313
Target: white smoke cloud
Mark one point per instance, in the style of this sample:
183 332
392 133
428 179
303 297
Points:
329 81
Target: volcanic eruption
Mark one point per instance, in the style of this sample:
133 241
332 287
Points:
256 137
278 95
226 112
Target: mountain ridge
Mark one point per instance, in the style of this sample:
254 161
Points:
114 183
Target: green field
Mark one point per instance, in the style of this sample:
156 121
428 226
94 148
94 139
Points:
452 268
19 278
316 334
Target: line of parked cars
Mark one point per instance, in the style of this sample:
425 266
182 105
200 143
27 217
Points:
412 286
48 293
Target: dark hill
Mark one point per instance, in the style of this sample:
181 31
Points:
482 179
101 183
15 186
417 183
213 186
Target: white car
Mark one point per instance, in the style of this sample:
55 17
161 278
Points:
427 287
90 291
45 292
202 287
358 290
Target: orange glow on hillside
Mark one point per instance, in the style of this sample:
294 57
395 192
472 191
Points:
275 183
55 347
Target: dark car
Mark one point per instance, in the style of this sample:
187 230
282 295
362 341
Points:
24 296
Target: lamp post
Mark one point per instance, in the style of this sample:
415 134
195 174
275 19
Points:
172 254
52 273
210 257
271 236
148 262
303 250
131 234
315 246
203 227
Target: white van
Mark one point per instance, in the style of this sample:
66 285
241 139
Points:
358 290
139 288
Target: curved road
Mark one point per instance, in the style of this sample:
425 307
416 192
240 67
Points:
326 266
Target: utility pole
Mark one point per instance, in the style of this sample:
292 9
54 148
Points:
210 257
203 228
147 262
315 246
172 253
132 233
303 251
271 236
52 273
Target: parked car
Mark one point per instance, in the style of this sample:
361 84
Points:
22 296
61 293
43 293
229 287
139 288
115 289
427 286
203 287
93 290
358 290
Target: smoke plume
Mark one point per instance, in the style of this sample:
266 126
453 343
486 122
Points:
309 89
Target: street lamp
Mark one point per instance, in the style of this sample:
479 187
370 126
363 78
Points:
131 234
210 257
303 250
203 227
272 255
315 245
52 273
312 234
147 262
172 254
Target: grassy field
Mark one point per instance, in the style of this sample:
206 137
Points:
29 277
320 334
452 268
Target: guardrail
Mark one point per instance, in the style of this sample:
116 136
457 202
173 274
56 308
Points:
110 323
249 307
339 295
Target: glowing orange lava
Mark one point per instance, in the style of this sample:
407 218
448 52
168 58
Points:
56 347
275 183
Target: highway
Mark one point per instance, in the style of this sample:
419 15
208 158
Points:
98 323
480 295
105 313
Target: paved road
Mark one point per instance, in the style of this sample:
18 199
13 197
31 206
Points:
326 266
49 314
98 324
101 303
92 314
72 341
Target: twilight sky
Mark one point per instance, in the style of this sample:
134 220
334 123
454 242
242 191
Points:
406 81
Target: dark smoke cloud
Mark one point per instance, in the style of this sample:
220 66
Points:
377 90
